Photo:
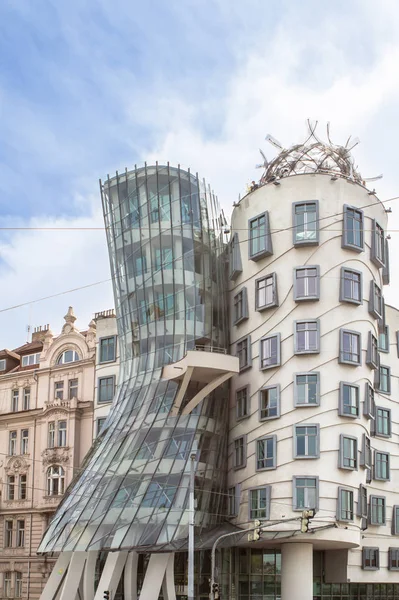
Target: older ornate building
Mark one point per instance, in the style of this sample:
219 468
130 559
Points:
46 411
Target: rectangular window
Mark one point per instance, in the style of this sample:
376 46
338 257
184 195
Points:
26 399
370 559
260 241
51 435
365 457
3 364
395 520
369 403
393 559
353 229
7 584
266 292
20 533
100 422
10 487
259 503
240 306
266 453
351 286
243 351
163 259
376 307
269 402
59 390
381 466
306 441
159 495
242 403
347 452
362 502
306 283
24 441
18 584
383 340
108 349
14 400
377 245
377 510
386 275
372 351
233 501
307 389
62 434
384 384
235 264
350 347
106 389
345 505
306 492
72 388
8 534
31 359
270 351
307 337
305 223
23 487
383 422
349 400
239 458
12 443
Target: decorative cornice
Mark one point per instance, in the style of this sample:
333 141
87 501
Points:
55 456
17 465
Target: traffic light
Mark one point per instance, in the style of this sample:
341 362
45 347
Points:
107 595
256 534
305 518
215 590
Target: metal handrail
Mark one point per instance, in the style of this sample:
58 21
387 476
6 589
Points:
210 349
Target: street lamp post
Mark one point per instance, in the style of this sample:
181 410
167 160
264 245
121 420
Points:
191 524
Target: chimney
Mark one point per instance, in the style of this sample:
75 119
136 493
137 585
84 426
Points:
39 333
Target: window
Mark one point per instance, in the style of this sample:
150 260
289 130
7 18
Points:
12 443
20 533
383 340
7 584
106 388
62 433
377 510
18 584
347 452
10 487
372 351
384 380
365 456
100 423
370 559
163 259
369 403
239 458
22 487
305 223
8 534
350 347
270 351
55 481
381 466
266 292
240 306
243 351
305 492
307 389
269 402
307 337
72 388
159 495
377 245
266 453
375 301
259 503
14 400
351 286
349 400
67 357
260 241
383 422
3 364
31 359
345 504
306 441
395 520
51 435
362 502
107 349
386 275
24 441
233 501
235 265
306 283
59 390
26 399
353 229
242 403
393 559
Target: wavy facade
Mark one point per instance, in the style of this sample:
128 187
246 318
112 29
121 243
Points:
168 267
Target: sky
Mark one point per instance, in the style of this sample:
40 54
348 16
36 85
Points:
88 87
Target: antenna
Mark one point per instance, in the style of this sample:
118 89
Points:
269 138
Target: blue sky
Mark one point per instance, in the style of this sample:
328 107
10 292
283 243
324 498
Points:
88 87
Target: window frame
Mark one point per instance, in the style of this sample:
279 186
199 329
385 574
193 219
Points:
268 489
242 465
342 297
26 398
268 246
14 400
344 361
393 555
99 425
371 521
341 455
243 293
8 532
12 442
386 272
307 351
395 519
266 388
298 404
350 491
341 406
369 401
51 477
235 264
100 342
3 364
23 486
278 354
388 463
310 297
378 433
26 362
386 347
233 500
248 364
295 228
24 441
99 388
362 506
20 534
263 438
379 261
295 507
366 453
345 229
62 434
372 356
374 310
314 456
366 549
11 482
274 303
61 357
389 386
73 386
246 414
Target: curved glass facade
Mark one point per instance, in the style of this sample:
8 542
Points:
168 267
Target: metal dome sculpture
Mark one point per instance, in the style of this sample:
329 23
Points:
313 156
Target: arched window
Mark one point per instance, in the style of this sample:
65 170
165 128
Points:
67 357
55 481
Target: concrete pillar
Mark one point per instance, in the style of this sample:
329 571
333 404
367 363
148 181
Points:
73 576
111 574
297 571
168 585
130 579
154 576
89 575
56 578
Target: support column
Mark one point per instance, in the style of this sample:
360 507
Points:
297 571
89 575
111 574
154 576
57 575
168 585
73 576
130 579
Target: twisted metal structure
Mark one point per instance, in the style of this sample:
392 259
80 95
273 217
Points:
164 231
